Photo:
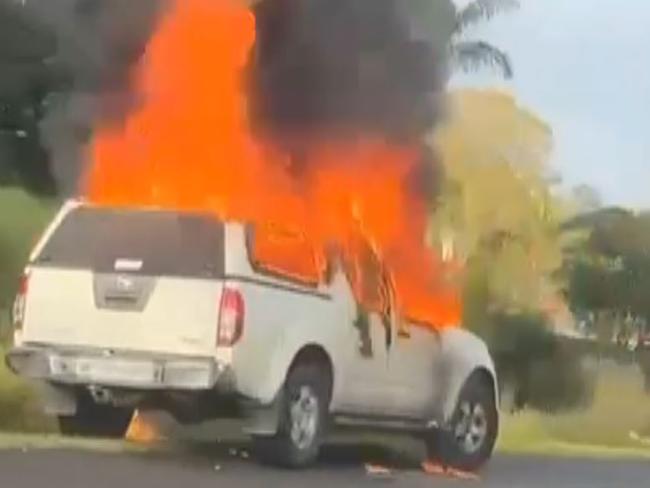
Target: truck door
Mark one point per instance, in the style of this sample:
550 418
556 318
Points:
414 370
367 385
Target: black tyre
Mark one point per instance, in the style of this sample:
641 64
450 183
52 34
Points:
92 420
303 415
468 440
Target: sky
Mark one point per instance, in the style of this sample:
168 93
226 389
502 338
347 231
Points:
584 67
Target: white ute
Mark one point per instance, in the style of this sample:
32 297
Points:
122 309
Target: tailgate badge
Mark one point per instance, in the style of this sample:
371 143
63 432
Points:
125 283
128 264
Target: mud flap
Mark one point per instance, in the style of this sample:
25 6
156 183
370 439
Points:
57 400
262 420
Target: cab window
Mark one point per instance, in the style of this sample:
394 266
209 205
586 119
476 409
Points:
285 253
368 278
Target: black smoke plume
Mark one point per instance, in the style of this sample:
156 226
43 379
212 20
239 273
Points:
346 68
320 69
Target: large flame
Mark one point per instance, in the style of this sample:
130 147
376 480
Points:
188 146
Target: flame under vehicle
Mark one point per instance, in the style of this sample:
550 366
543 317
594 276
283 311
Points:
134 308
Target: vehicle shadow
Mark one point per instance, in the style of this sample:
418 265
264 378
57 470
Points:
336 454
221 443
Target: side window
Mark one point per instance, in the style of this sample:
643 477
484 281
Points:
368 278
371 285
285 253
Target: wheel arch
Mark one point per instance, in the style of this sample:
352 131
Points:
314 353
464 356
454 389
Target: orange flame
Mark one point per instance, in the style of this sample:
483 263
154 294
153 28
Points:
142 430
188 146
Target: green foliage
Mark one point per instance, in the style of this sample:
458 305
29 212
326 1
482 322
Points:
471 55
479 10
503 222
605 429
474 55
497 209
610 271
545 373
447 26
22 218
20 410
560 382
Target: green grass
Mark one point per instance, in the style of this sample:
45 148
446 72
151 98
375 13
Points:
19 405
602 431
621 409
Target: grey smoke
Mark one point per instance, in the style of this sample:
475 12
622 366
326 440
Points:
98 43
332 69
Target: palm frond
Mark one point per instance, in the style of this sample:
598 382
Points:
473 55
480 10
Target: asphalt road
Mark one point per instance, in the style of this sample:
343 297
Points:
340 466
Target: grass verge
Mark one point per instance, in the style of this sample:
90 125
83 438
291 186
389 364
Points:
614 426
20 410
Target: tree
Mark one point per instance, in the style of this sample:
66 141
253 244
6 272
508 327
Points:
471 54
608 273
499 217
497 206
29 74
586 198
447 25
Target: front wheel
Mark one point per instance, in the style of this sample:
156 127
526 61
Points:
303 414
468 440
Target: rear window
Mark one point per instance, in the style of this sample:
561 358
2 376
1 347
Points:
142 242
285 253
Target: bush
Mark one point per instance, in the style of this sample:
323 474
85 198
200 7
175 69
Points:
561 383
544 372
20 409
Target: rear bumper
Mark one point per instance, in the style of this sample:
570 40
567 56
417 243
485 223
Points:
142 371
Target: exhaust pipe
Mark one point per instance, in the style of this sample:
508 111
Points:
101 395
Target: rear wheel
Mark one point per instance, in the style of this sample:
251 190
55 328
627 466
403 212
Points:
93 420
468 441
303 415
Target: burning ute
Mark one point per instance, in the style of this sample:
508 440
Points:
121 309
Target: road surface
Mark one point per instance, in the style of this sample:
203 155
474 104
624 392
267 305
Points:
340 467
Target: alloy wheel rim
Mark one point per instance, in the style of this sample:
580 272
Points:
304 413
471 429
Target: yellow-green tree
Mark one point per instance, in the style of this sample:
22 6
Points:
499 216
497 212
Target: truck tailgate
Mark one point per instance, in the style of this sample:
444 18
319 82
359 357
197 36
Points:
82 308
141 280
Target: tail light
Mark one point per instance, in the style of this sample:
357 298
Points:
231 317
18 309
